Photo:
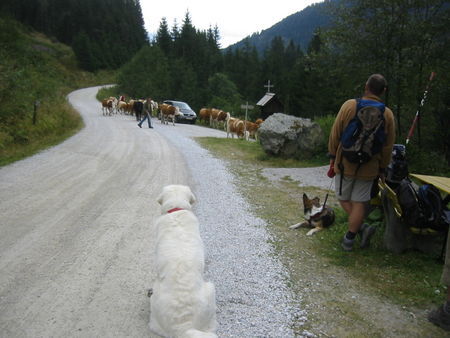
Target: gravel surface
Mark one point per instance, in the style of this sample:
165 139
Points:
77 244
252 297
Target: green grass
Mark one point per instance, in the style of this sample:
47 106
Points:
410 279
34 68
252 153
41 138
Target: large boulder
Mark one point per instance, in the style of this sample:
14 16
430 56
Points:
289 136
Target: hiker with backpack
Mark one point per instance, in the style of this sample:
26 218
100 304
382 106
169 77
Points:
360 148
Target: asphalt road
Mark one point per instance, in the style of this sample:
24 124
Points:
76 242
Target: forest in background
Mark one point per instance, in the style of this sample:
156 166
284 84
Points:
184 63
364 38
298 27
104 34
36 75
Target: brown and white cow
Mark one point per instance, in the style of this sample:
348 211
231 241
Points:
204 114
107 106
235 126
167 111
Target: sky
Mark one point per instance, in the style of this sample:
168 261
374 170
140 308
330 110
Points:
235 19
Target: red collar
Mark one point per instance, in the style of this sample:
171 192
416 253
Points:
173 210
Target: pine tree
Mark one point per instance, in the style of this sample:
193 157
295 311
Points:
224 93
389 31
83 50
163 38
112 26
146 75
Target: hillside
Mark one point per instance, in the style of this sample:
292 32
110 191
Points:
34 69
298 27
104 34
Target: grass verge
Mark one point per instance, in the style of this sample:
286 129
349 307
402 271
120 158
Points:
40 140
36 74
408 279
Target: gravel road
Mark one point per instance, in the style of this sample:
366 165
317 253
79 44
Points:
76 244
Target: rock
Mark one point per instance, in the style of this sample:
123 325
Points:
289 136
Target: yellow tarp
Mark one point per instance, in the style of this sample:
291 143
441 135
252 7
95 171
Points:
442 183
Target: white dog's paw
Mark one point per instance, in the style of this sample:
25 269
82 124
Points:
295 226
304 224
312 231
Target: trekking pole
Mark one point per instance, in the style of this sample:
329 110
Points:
417 117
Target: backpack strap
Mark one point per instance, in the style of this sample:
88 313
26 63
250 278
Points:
341 165
361 103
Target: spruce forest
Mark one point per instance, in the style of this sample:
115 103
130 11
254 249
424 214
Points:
402 39
102 33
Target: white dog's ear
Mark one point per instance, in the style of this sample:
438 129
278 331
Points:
192 199
160 198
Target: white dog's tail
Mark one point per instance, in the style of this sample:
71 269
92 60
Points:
193 333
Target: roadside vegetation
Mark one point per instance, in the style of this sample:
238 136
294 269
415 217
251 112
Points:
410 279
184 63
36 74
313 81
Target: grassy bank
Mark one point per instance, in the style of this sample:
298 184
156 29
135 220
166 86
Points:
409 279
36 74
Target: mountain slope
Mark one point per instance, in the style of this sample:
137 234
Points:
298 27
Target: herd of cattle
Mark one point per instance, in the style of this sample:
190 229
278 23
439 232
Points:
232 125
165 112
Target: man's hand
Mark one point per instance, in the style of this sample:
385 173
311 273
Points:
331 172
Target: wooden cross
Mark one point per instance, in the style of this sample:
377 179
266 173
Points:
268 85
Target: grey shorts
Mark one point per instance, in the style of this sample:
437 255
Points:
353 189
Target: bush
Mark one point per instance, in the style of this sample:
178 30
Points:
325 123
426 161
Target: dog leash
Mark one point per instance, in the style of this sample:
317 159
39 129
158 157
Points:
326 196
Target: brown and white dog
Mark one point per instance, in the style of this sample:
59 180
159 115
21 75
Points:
182 303
317 216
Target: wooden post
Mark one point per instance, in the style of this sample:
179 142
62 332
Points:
36 106
246 106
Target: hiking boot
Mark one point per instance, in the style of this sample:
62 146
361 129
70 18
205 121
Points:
440 318
366 233
347 244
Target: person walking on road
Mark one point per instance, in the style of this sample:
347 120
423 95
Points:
148 109
353 181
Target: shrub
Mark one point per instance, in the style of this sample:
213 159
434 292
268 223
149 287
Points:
325 123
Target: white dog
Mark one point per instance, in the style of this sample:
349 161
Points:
182 303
